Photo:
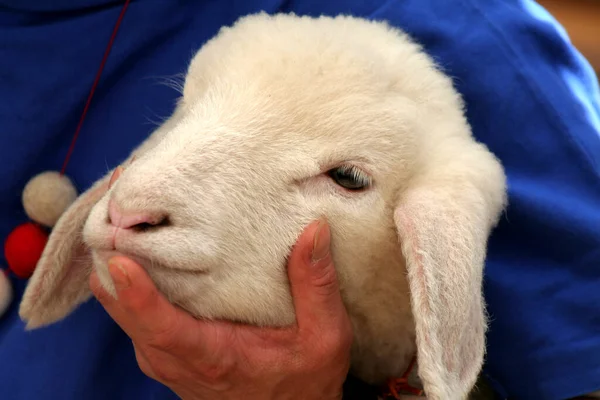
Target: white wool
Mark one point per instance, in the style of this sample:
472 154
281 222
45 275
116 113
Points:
269 105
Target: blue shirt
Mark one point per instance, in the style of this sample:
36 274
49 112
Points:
530 97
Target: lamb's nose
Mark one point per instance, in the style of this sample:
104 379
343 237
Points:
137 220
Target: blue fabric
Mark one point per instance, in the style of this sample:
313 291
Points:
530 97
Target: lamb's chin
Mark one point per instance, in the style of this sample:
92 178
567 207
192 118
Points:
161 274
101 257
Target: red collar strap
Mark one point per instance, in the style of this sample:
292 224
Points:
396 387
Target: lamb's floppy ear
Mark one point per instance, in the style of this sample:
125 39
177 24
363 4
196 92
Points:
444 219
60 280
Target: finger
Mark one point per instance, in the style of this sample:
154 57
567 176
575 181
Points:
115 175
314 284
143 312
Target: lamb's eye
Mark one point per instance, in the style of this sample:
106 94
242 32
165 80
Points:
350 178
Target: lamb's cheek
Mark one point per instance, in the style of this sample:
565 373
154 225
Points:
376 293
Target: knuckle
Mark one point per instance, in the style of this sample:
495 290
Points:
216 374
329 345
164 339
324 280
166 372
334 343
156 369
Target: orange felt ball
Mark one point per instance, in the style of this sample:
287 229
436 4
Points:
23 248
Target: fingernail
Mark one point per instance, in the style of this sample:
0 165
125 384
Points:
118 274
321 241
115 175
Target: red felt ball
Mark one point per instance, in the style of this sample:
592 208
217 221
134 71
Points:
23 248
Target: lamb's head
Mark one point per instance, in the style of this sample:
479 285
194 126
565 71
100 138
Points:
284 120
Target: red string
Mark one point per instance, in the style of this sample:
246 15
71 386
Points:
395 386
95 84
7 271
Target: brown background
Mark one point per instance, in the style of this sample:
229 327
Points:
581 19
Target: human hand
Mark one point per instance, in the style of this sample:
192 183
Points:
200 359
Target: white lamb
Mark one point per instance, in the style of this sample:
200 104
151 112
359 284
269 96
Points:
284 119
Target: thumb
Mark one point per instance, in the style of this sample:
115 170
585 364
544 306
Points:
141 310
313 279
